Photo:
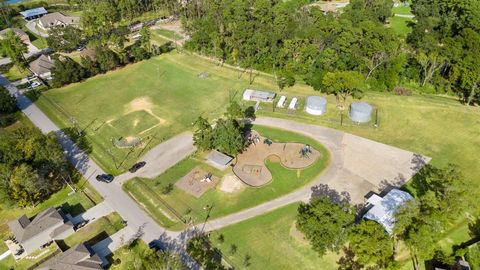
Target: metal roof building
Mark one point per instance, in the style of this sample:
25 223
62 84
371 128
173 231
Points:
218 160
256 95
316 105
360 112
33 13
382 210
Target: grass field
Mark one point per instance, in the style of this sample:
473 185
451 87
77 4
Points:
267 239
149 191
166 88
400 25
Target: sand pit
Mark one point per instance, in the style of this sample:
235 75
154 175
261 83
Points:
194 182
250 166
231 183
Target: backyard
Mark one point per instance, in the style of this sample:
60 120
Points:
181 206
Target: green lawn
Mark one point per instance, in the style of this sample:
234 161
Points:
96 231
10 263
15 74
127 256
167 33
267 239
149 191
165 87
403 9
400 25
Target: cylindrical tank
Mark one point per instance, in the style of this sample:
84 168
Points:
360 112
316 105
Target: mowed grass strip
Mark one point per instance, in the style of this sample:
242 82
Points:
269 242
148 192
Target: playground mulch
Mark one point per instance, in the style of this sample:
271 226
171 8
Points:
192 182
250 166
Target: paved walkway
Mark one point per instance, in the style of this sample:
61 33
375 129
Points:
162 157
5 255
357 166
98 211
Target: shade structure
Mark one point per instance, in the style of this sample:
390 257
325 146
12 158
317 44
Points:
316 105
360 112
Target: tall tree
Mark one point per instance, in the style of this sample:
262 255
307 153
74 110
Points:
344 84
228 137
13 47
64 39
325 224
203 136
7 101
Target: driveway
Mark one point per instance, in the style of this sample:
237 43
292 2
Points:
357 167
98 211
162 157
31 25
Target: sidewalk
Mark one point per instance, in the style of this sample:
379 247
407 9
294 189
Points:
93 213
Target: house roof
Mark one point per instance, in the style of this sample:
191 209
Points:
42 64
52 19
33 12
219 158
75 258
383 210
24 229
17 31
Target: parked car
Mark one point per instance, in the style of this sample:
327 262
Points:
155 245
107 178
137 166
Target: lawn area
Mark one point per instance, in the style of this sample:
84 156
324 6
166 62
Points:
400 25
402 9
15 74
96 231
167 33
127 256
267 239
166 88
9 262
179 204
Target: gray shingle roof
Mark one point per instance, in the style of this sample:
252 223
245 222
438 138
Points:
41 65
52 19
75 258
24 230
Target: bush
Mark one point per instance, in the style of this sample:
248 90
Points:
402 91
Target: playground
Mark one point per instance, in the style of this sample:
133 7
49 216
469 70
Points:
197 182
250 165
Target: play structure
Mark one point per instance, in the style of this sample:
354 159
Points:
250 165
197 182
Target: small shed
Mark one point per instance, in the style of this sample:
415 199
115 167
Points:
360 112
293 104
281 102
255 95
218 160
316 105
33 13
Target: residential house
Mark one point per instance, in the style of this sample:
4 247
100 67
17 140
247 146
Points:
18 32
45 227
57 19
42 66
75 258
382 210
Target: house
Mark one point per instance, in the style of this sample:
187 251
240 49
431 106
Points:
382 210
462 265
34 13
48 225
57 19
218 160
42 66
77 258
255 95
18 32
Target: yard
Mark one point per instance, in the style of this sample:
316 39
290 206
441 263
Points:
271 242
152 100
180 205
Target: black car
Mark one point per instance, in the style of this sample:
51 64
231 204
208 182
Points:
137 166
155 245
107 178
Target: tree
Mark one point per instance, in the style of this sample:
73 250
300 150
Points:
343 84
26 189
66 71
7 102
234 111
144 40
204 253
285 79
325 224
64 39
371 244
162 260
203 136
228 137
91 67
430 64
13 47
106 59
